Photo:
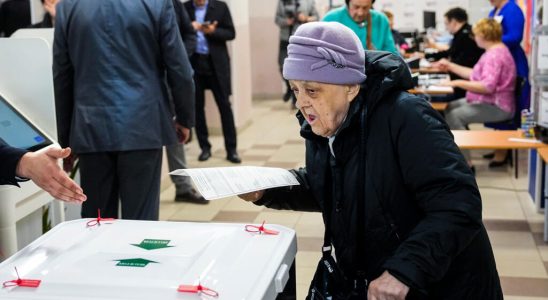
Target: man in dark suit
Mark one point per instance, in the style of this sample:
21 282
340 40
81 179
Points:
41 167
110 61
213 24
176 158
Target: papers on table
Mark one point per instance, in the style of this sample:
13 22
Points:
439 89
216 183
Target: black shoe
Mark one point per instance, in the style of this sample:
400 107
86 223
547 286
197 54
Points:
489 155
233 157
191 196
502 163
205 155
496 164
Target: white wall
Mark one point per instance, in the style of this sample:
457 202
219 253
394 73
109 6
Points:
408 13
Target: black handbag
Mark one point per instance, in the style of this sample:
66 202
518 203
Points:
329 282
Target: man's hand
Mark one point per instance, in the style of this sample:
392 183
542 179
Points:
42 168
253 196
183 133
49 6
209 29
196 25
290 21
387 287
302 18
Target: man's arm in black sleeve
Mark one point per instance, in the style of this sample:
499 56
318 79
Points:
178 69
188 34
9 157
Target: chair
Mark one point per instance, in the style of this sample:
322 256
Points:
515 121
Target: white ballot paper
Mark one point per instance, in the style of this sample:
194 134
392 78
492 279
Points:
216 183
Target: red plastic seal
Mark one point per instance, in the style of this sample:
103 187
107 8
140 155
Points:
97 222
33 283
260 229
197 289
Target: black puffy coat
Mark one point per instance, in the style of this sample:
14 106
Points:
422 204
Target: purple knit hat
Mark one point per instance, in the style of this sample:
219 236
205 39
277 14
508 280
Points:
326 52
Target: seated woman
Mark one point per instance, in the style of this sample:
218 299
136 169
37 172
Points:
490 84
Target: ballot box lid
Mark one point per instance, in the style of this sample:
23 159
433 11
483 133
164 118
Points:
150 260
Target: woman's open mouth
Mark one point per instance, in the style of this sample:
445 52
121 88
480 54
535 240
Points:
311 118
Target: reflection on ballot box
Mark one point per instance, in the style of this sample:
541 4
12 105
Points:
122 259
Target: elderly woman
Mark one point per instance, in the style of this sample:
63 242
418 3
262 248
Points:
490 84
402 209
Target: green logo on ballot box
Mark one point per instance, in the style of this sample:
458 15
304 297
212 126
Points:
134 262
150 244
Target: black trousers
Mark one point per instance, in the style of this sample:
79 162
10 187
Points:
131 176
205 78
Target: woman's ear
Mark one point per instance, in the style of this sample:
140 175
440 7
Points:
352 91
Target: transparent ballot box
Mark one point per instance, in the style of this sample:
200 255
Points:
123 259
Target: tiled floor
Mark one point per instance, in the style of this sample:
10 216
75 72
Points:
515 228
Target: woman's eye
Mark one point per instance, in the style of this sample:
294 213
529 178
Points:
295 90
311 92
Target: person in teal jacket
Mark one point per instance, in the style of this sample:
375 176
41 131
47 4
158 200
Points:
369 25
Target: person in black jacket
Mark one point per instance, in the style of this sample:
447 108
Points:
176 157
14 15
463 50
384 170
41 167
213 24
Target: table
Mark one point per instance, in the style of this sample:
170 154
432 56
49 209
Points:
427 70
494 139
433 90
439 106
150 260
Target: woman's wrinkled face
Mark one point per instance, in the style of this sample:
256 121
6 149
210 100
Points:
323 105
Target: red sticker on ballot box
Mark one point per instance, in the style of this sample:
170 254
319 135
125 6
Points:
97 222
197 289
260 229
33 283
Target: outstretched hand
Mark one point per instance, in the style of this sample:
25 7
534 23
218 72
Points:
42 168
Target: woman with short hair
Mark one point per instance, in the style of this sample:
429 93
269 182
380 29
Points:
490 84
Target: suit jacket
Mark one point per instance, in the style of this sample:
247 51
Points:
218 11
9 158
188 34
110 59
